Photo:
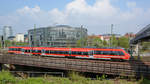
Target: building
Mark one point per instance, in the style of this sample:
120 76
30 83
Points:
91 38
26 38
7 32
107 37
11 38
56 36
130 35
19 37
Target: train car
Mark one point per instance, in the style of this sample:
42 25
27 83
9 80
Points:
37 50
113 54
57 52
27 50
15 50
81 52
90 53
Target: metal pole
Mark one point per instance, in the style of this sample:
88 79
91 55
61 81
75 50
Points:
82 36
111 39
138 49
34 38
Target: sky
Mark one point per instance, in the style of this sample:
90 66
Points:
95 15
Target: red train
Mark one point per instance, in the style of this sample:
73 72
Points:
91 53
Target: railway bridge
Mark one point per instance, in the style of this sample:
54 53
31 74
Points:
131 68
142 35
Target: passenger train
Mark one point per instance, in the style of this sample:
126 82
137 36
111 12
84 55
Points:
90 53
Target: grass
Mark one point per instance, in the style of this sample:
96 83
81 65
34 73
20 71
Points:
74 78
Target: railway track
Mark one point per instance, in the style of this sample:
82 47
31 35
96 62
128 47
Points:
129 68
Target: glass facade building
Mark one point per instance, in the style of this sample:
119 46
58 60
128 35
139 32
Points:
7 32
56 36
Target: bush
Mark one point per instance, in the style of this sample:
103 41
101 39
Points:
6 77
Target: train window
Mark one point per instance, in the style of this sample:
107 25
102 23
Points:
22 50
112 52
59 52
105 53
84 53
79 53
43 51
51 52
76 53
56 52
98 52
108 53
38 51
33 51
47 51
121 53
25 51
70 52
73 52
19 49
66 52
9 48
91 52
117 53
14 49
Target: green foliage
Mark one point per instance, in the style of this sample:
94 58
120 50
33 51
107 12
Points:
74 78
103 77
97 42
82 42
143 81
105 44
6 77
9 43
33 81
114 41
123 42
145 46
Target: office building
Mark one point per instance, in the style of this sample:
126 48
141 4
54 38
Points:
7 32
56 36
19 37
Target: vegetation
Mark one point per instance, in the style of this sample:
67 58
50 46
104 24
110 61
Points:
145 47
82 42
8 43
74 78
97 42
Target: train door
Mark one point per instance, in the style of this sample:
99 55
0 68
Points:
91 54
43 52
22 51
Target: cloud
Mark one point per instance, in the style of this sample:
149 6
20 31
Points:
97 18
131 4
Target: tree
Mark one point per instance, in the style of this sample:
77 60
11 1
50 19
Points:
82 42
97 42
105 44
114 41
123 42
145 46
